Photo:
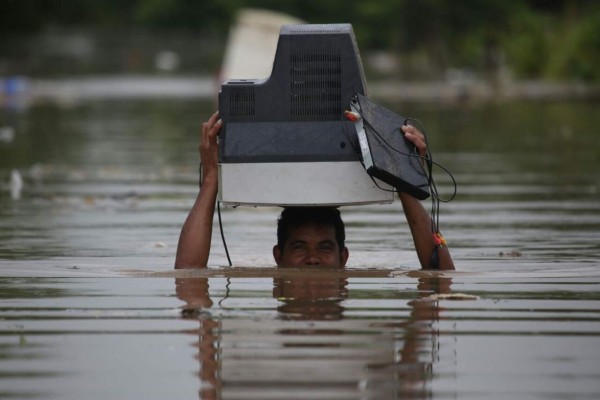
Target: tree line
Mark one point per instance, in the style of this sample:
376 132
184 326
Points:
546 39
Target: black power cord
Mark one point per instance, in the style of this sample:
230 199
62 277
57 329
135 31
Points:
223 234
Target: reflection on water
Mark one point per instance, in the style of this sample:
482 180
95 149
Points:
88 308
213 336
309 348
194 292
310 298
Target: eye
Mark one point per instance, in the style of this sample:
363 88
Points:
297 246
327 247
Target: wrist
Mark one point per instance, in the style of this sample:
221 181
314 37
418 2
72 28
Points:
209 177
406 198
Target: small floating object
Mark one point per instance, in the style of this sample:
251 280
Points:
513 253
451 296
167 61
7 134
15 184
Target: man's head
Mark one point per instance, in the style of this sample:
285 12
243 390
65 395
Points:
310 236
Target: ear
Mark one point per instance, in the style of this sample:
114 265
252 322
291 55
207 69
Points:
344 255
277 255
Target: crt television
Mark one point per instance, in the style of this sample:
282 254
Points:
284 140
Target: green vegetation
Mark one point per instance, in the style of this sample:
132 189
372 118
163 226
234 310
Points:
557 40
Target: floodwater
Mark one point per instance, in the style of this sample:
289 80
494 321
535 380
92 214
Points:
91 307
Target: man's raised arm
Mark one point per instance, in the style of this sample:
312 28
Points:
193 248
418 220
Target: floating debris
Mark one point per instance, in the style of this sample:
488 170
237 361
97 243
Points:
167 61
451 296
513 253
7 134
15 184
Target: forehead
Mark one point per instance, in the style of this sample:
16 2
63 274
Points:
311 231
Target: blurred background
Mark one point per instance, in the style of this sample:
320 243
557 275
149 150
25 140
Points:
555 40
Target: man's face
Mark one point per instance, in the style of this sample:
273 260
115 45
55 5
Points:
311 245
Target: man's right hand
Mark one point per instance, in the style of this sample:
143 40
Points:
193 248
209 148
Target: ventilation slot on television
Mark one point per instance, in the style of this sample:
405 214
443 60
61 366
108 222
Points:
315 79
242 103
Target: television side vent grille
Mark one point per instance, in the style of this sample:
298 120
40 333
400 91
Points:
317 31
242 102
315 78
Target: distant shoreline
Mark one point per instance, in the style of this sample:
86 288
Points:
139 87
484 91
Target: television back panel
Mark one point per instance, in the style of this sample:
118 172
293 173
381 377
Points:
284 139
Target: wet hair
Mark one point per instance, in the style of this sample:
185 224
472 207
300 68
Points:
295 217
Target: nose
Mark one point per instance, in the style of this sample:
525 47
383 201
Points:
312 258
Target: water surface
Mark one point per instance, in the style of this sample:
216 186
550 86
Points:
91 307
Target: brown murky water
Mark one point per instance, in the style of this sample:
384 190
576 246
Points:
91 307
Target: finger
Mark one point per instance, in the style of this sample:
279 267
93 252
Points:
215 128
210 128
413 135
413 130
206 126
213 118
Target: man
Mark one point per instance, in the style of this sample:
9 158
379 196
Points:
306 237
